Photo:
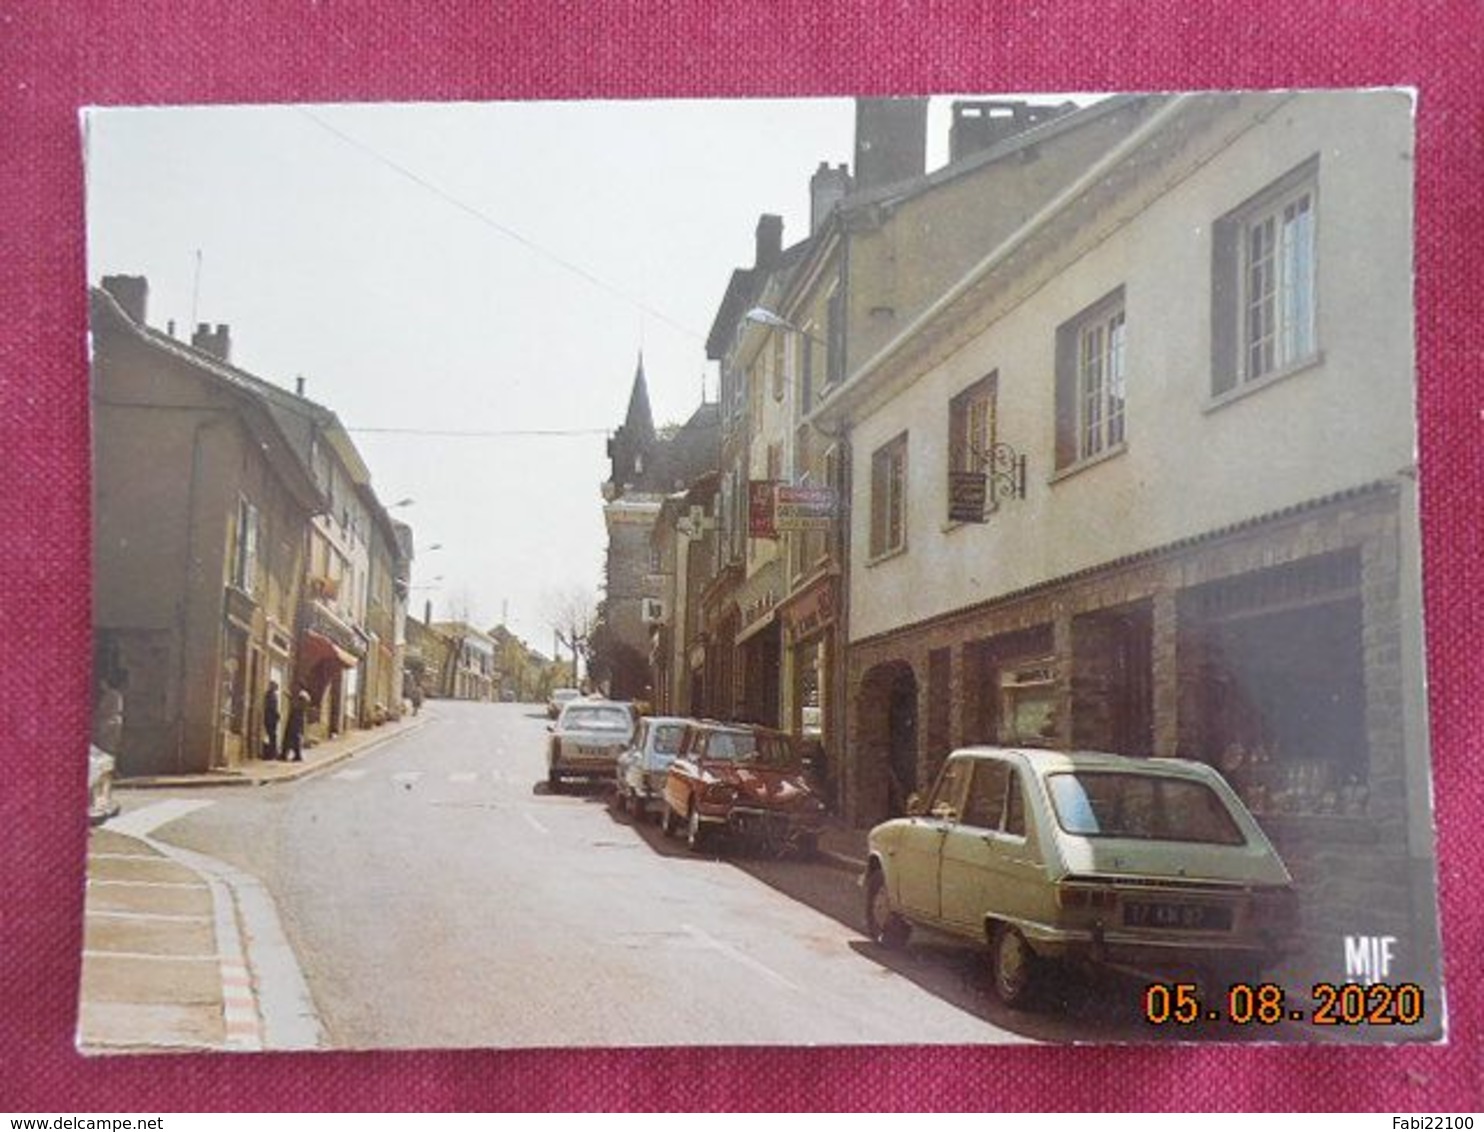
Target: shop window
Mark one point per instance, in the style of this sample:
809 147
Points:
1028 704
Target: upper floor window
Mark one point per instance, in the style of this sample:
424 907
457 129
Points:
778 368
1091 382
888 497
245 550
835 338
1264 283
971 426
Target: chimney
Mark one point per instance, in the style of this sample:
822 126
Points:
980 124
829 185
428 611
217 343
299 386
769 240
890 140
131 292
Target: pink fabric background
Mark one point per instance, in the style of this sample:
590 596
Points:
56 57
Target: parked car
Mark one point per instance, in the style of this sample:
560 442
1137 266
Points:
1040 856
587 739
560 698
740 778
639 783
101 804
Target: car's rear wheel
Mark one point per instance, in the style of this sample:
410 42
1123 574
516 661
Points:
695 832
885 926
553 781
1013 966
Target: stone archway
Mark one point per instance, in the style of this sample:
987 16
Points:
886 767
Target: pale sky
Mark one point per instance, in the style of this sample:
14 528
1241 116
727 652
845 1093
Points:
462 267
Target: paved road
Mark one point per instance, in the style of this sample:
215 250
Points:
434 893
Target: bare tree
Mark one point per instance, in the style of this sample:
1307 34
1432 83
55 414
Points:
570 612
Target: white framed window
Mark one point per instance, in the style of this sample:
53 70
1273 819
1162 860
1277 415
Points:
1092 382
1265 283
889 497
245 550
1101 382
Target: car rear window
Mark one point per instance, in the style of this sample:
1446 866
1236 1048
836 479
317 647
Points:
1143 807
730 745
597 719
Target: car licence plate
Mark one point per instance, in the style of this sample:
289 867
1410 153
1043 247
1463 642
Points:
594 752
1177 917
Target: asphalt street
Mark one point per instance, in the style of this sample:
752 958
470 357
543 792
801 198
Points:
433 892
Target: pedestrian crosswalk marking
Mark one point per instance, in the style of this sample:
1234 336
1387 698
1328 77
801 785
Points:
349 775
406 777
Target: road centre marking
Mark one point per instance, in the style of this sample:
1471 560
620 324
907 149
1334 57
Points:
406 777
533 823
463 776
732 953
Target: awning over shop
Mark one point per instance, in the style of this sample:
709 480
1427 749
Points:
317 648
756 627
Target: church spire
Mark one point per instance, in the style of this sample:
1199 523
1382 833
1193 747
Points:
639 422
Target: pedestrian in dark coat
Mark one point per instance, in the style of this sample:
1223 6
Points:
293 729
270 721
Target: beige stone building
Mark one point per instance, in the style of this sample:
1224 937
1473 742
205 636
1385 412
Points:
1181 390
200 508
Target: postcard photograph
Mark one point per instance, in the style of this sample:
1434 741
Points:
819 572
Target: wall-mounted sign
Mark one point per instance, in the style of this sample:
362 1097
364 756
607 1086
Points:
760 508
804 508
967 494
811 612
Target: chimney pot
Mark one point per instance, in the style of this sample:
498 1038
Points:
890 140
131 292
299 386
769 246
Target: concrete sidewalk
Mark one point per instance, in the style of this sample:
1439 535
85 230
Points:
843 847
260 772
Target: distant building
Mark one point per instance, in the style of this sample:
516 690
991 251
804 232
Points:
468 668
644 467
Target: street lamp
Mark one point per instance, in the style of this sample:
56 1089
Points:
764 317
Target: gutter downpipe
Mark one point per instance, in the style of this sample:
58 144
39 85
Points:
1003 251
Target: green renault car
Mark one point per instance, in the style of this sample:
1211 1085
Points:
1044 856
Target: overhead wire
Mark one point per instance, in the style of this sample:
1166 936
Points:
504 229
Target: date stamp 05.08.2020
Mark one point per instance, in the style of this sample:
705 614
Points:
1269 1004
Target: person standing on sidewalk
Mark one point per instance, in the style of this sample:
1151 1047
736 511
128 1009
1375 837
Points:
293 729
270 721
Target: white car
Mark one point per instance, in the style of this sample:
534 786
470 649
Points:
640 774
587 739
